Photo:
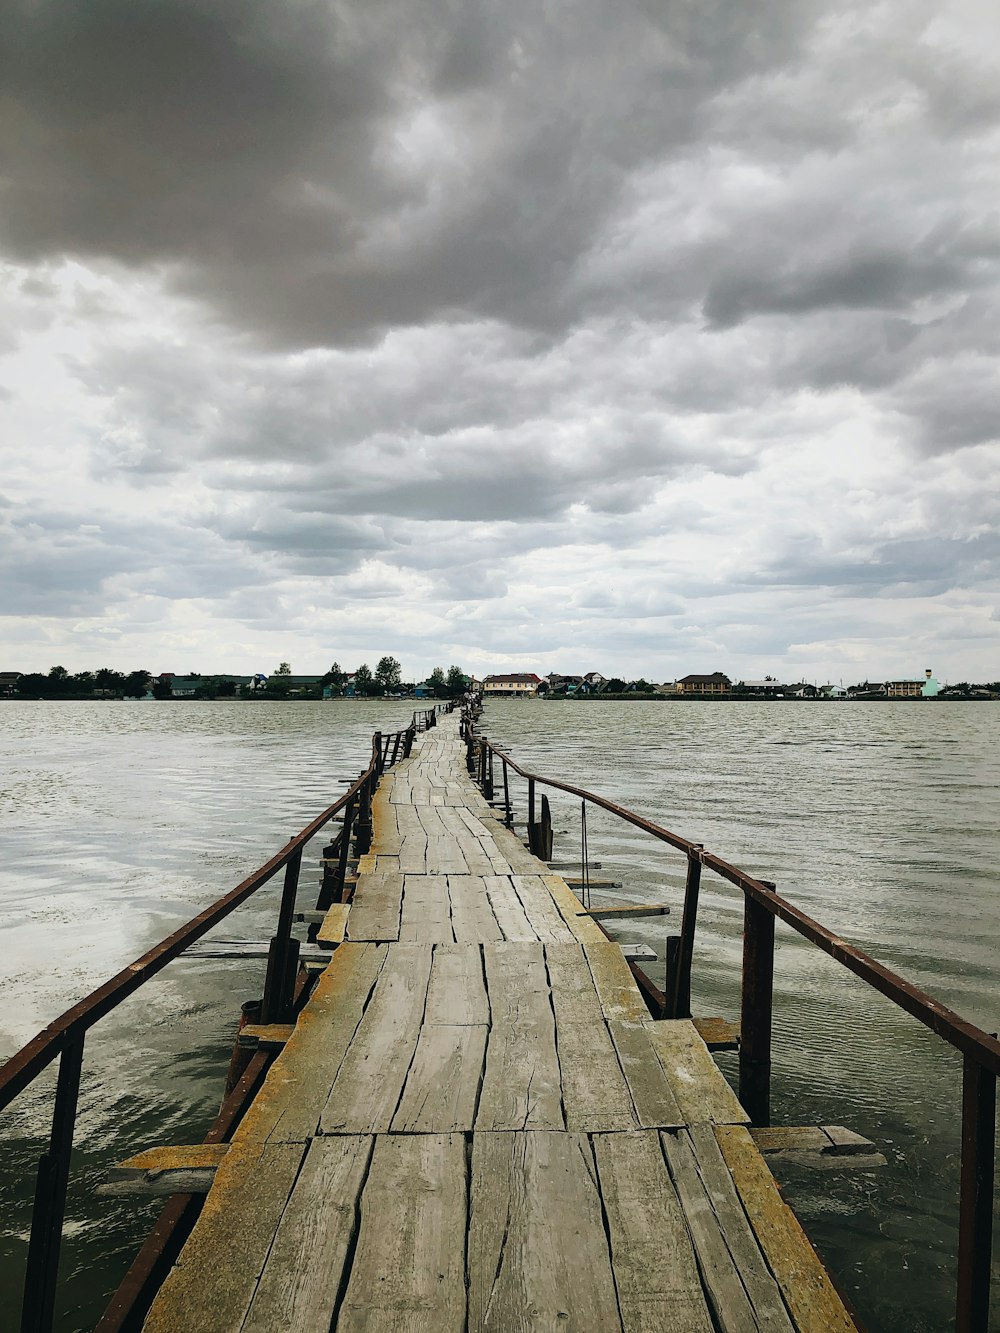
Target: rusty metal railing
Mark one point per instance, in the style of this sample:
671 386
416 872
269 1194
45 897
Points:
64 1038
762 905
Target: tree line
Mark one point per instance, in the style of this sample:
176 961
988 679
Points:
59 683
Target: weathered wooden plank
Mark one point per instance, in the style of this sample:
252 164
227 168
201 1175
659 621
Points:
288 1106
334 927
570 909
265 1036
366 1091
614 982
654 1264
508 908
696 1081
211 1285
472 917
804 1282
718 1034
500 864
521 1087
442 1087
376 907
457 990
630 912
409 1272
539 908
744 1294
298 1288
595 1094
779 1138
413 854
654 1102
538 1253
426 910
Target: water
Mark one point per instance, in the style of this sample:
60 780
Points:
121 821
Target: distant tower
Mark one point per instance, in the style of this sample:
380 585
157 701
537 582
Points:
928 673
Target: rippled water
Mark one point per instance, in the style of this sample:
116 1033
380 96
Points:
122 820
879 820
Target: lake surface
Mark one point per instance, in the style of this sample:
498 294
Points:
121 820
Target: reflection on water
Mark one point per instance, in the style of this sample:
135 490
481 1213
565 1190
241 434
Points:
121 821
880 821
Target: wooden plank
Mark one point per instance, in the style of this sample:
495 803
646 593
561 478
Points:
521 1087
178 1155
538 1253
508 908
426 910
804 1281
409 1271
334 927
367 1088
718 1034
442 1087
288 1106
457 990
778 1138
629 912
614 982
743 1292
376 907
265 1036
211 1285
302 1276
472 917
654 1264
413 854
570 909
595 1094
539 908
696 1081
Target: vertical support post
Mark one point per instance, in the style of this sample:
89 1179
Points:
283 955
672 953
508 817
755 1011
491 790
395 750
49 1209
975 1223
679 993
544 852
411 731
363 835
532 836
344 851
377 751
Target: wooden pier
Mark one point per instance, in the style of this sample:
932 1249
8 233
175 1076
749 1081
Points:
475 1123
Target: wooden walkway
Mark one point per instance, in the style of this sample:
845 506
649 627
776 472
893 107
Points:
476 1125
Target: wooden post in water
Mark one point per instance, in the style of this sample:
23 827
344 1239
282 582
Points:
532 831
755 1011
545 832
679 993
975 1222
283 955
363 833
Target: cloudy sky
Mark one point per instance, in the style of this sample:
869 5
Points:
650 337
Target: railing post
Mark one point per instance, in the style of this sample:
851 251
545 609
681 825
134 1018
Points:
508 817
531 815
395 749
679 994
50 1197
975 1222
363 836
755 1011
283 955
377 751
411 731
489 790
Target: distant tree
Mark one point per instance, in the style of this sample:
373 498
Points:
437 682
137 684
616 685
455 680
388 673
640 686
58 673
363 680
282 669
335 677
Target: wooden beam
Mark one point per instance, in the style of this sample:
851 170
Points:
639 910
718 1034
575 882
186 1169
265 1036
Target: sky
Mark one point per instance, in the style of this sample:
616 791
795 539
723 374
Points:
646 338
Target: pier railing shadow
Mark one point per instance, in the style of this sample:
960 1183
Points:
762 907
285 989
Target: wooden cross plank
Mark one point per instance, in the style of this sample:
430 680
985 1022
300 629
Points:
457 990
408 1271
376 907
538 1253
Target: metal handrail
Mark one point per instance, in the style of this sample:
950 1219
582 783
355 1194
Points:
762 904
63 1039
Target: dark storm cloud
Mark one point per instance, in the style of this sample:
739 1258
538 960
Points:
325 170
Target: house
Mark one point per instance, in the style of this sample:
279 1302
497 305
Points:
768 688
596 681
8 681
832 692
913 689
703 686
518 683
